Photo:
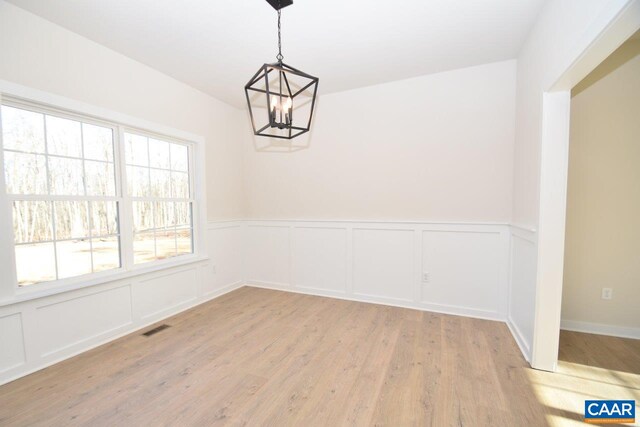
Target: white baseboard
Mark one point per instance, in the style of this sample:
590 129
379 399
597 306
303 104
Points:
520 340
436 308
600 329
208 296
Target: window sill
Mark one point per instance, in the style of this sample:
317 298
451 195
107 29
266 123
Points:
27 294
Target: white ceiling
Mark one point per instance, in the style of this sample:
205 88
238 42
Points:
217 45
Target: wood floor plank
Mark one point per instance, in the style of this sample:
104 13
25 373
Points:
262 357
284 395
329 397
361 397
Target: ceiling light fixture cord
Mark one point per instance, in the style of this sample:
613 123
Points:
279 57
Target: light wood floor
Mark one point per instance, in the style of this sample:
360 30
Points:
260 357
589 367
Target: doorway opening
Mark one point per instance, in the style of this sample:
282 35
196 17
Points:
601 283
600 336
553 179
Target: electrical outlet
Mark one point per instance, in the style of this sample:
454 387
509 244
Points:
425 277
607 293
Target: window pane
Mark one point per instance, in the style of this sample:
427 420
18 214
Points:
136 150
30 272
72 220
106 253
144 247
32 221
100 178
159 154
160 183
63 137
179 157
74 258
184 240
142 216
98 142
183 213
66 176
164 215
22 130
138 181
25 173
104 218
165 243
180 185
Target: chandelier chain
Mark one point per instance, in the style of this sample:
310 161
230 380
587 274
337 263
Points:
279 57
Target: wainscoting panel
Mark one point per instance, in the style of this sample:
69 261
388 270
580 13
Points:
522 289
165 291
464 270
12 353
319 258
71 322
383 264
268 254
225 248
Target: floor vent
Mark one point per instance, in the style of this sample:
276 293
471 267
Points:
156 330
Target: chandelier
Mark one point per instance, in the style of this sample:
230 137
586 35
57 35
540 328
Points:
281 98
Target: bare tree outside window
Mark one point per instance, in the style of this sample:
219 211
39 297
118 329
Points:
159 183
60 176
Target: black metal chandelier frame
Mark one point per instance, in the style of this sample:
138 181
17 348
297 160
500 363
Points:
280 103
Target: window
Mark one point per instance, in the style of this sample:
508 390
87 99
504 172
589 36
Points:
159 185
62 174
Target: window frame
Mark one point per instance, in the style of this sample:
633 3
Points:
120 124
131 199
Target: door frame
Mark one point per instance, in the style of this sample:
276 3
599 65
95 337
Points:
604 36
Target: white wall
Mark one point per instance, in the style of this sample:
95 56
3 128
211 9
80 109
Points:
603 205
38 54
437 147
563 30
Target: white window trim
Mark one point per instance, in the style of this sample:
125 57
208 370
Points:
9 289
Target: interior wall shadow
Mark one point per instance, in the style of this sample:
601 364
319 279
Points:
624 54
